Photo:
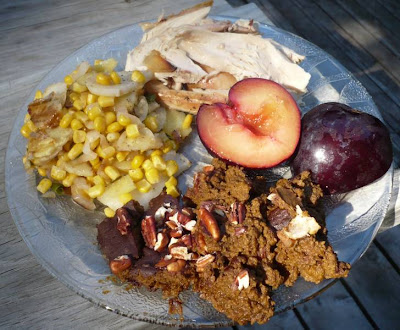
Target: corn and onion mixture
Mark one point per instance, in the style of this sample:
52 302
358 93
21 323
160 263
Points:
98 136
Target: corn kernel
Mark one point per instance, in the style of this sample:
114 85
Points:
75 151
112 137
68 80
115 78
137 161
97 179
58 173
94 112
110 117
69 180
138 77
151 123
114 127
112 172
96 191
172 181
97 62
136 174
107 152
187 121
94 144
81 116
91 98
125 198
95 161
66 120
74 96
78 88
44 185
143 186
121 155
38 95
171 167
25 131
173 191
76 124
99 124
109 213
27 118
156 152
152 175
147 164
78 105
79 136
103 79
42 171
158 162
171 144
105 101
124 120
132 131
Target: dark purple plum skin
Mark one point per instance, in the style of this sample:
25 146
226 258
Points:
343 148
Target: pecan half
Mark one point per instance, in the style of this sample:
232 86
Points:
162 242
203 261
176 266
149 232
120 264
124 220
210 223
242 281
238 213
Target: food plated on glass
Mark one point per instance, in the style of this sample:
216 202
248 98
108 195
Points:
235 229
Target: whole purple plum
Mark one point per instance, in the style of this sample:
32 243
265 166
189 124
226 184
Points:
343 148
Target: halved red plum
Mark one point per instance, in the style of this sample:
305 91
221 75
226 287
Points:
259 128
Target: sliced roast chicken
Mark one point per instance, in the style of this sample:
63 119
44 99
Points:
196 59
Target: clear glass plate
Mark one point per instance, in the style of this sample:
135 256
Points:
62 236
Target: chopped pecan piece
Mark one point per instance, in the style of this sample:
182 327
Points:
124 220
120 264
238 213
203 261
149 231
162 242
210 223
176 266
242 281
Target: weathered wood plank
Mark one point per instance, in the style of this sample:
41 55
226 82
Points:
286 320
358 35
392 6
378 19
377 286
333 309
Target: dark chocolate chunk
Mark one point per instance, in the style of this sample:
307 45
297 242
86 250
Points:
113 244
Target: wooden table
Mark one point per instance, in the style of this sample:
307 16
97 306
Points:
36 35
